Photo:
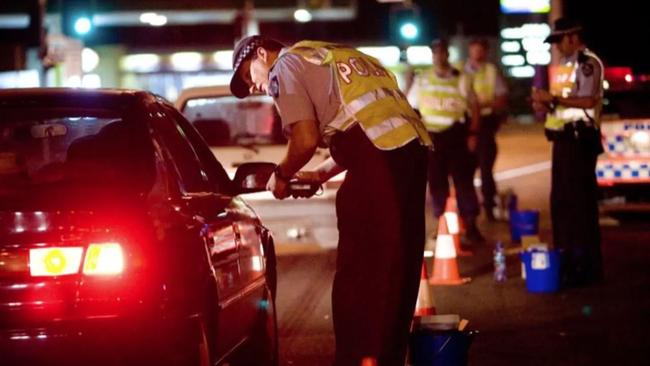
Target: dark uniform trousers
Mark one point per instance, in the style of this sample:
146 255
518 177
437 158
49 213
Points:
450 156
486 153
380 210
574 202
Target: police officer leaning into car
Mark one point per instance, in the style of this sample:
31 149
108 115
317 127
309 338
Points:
444 96
336 96
573 108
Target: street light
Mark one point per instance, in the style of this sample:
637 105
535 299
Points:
302 15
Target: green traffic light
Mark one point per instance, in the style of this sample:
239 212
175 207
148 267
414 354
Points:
83 25
409 30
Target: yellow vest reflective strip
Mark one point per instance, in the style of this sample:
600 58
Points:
385 127
562 81
449 89
442 121
355 106
441 101
369 95
575 114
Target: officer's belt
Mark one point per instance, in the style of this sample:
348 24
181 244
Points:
571 130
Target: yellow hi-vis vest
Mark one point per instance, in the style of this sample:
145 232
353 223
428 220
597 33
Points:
369 95
441 101
562 80
485 80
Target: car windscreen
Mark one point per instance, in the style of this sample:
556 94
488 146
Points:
43 151
627 104
228 121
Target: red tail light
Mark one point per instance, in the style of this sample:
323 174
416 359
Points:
100 259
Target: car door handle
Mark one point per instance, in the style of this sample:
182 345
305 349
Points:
236 234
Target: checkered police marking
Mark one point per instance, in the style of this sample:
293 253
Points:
245 52
632 170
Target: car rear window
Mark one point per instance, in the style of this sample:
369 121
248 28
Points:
227 121
45 148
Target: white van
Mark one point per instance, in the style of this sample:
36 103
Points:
246 130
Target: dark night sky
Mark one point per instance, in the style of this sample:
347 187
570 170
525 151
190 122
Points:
619 31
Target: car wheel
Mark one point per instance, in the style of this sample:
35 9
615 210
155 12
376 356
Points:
194 350
204 358
261 349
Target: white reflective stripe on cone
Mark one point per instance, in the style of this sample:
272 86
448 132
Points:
445 247
452 222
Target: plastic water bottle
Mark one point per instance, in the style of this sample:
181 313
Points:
499 263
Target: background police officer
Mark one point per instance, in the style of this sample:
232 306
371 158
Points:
491 91
332 94
444 95
573 119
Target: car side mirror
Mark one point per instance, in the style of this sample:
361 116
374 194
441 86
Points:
252 177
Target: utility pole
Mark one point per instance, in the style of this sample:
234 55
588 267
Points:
246 23
557 10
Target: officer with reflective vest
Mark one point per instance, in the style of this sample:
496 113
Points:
491 90
573 125
444 96
336 96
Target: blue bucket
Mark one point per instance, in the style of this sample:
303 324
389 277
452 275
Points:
542 270
437 348
523 223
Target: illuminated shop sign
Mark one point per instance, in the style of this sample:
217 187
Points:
525 6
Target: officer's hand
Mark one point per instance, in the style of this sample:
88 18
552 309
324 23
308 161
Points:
541 107
278 187
472 141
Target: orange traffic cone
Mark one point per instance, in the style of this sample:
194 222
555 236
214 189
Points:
455 226
425 304
445 266
369 361
451 204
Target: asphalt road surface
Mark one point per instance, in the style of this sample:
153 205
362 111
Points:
602 324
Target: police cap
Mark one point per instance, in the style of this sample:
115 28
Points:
245 49
563 26
440 43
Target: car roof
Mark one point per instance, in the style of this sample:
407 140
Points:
201 92
74 97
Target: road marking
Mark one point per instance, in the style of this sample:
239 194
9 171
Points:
518 172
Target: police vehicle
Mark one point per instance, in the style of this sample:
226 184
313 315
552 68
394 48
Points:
623 171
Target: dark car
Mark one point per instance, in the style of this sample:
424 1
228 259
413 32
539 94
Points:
122 239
